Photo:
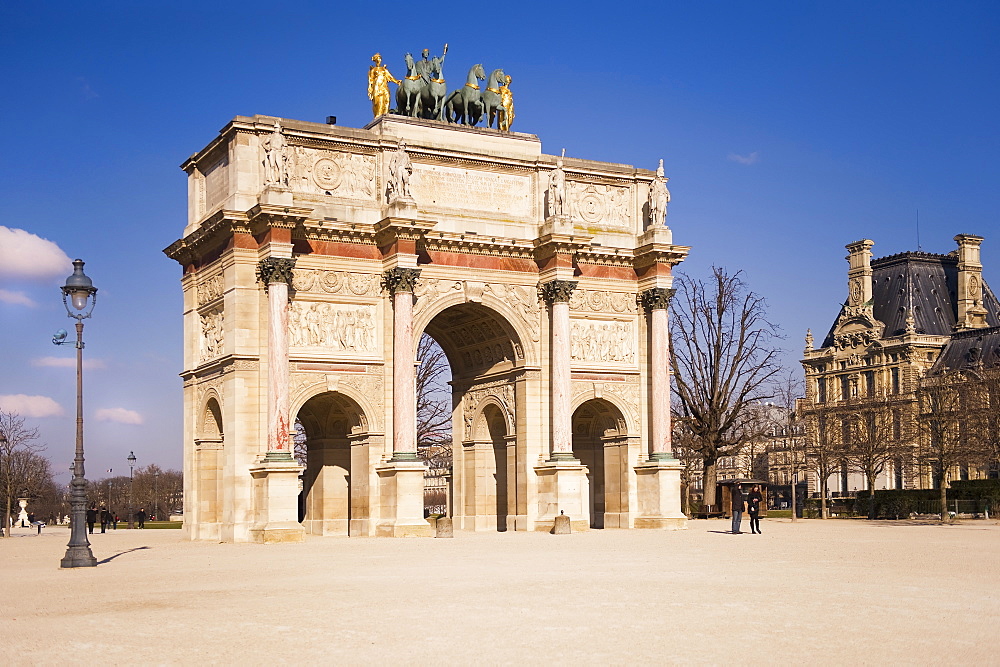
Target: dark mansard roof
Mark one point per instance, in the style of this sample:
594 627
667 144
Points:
925 282
971 349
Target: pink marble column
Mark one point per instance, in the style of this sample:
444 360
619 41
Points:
556 293
400 283
276 274
657 302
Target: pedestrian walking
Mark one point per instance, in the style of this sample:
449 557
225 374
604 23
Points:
141 517
738 506
105 519
91 518
754 499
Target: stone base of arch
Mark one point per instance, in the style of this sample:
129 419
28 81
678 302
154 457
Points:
276 502
658 484
401 497
563 489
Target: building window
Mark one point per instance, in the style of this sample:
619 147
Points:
895 380
821 385
869 383
845 387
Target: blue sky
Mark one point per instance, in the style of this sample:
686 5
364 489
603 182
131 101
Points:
788 129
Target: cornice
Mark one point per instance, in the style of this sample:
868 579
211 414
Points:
209 233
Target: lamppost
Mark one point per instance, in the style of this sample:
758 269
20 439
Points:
79 297
131 465
156 494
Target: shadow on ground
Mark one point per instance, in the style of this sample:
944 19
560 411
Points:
120 553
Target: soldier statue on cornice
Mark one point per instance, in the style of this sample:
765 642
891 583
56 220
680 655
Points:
659 197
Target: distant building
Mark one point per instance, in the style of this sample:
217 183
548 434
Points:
907 318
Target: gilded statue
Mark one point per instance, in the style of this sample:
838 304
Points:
659 197
378 86
506 106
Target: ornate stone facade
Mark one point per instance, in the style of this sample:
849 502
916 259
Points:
305 285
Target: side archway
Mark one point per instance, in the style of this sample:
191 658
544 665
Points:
601 441
338 485
209 461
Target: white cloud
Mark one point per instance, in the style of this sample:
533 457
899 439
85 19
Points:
24 255
30 406
753 158
120 415
66 362
16 298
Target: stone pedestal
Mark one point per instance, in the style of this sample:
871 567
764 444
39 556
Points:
276 501
557 224
658 483
401 207
401 496
563 487
275 195
22 516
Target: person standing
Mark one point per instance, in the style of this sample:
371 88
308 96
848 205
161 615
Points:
754 499
105 519
141 517
91 518
738 506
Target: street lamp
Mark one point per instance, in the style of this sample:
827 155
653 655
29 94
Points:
156 494
5 529
79 297
131 465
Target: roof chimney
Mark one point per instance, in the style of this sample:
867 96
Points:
859 274
971 313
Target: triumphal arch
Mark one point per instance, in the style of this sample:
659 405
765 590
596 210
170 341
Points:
316 255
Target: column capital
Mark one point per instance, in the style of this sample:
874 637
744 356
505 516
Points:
400 280
656 298
275 270
556 291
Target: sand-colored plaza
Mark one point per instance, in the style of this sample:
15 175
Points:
833 592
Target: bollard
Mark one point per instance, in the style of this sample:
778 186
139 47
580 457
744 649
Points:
443 527
561 525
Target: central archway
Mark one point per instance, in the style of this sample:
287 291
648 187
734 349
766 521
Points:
486 356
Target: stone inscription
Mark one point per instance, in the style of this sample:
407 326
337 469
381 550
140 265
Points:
337 327
447 187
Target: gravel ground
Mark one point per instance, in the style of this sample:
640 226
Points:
827 592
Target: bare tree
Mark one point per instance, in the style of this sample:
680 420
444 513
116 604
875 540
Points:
824 449
23 471
984 422
433 395
880 429
788 390
683 447
725 358
947 401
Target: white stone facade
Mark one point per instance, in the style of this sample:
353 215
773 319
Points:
542 321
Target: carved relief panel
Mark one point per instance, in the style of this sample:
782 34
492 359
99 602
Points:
333 327
606 207
603 341
346 175
212 334
322 281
